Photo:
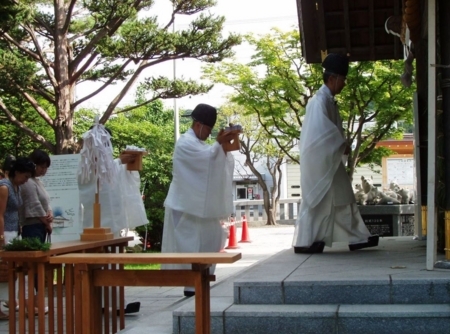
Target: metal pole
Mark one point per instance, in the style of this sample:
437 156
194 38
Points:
176 115
432 212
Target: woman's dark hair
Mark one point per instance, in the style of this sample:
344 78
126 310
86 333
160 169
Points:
39 157
7 164
22 165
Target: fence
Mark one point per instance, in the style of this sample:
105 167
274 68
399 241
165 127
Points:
287 210
395 220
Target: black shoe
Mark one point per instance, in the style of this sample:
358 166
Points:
133 307
316 247
189 293
372 241
130 308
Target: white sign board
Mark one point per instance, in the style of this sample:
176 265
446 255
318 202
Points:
401 171
62 186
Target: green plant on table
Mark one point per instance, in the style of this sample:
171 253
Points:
28 244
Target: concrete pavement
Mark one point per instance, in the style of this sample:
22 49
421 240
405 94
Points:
157 303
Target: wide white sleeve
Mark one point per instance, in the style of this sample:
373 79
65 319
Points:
132 198
321 148
202 179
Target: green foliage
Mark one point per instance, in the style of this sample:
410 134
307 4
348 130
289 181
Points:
27 244
47 48
273 86
155 266
371 104
12 12
17 142
277 85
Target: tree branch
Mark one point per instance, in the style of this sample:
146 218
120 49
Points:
21 47
137 105
69 15
36 137
42 60
122 93
104 86
109 29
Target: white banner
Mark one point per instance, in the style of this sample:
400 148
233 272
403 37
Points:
62 186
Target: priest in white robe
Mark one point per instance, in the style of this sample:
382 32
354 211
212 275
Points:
328 211
200 194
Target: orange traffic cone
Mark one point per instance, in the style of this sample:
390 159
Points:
245 237
232 244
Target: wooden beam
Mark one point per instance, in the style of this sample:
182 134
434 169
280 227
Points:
307 19
146 258
397 11
348 43
371 31
322 29
111 277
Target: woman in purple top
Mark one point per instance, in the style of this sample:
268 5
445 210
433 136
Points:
10 201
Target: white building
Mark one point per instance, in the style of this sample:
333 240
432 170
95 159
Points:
245 183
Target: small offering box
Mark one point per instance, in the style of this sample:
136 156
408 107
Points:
233 145
137 164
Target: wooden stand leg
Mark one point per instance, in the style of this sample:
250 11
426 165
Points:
30 303
87 324
202 300
22 304
49 271
77 297
69 299
12 296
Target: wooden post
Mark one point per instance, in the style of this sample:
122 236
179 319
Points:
97 232
97 210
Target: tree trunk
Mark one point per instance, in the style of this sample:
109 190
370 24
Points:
272 220
268 208
63 122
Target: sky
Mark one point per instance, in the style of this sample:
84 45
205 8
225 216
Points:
242 16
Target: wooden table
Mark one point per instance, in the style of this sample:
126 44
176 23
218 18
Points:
34 263
92 278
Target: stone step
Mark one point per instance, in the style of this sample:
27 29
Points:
377 276
331 318
382 291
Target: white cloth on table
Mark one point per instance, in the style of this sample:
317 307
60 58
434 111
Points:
120 202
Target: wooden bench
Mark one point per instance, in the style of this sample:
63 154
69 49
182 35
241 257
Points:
93 273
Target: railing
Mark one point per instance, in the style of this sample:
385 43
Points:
400 218
253 210
64 313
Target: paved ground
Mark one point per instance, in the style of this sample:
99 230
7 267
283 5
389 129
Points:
157 303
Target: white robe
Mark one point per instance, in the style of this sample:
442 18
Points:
120 202
328 211
200 195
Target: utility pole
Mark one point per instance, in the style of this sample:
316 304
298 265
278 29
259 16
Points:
176 115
